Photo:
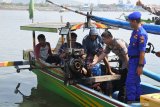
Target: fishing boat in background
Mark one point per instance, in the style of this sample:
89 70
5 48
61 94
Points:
142 20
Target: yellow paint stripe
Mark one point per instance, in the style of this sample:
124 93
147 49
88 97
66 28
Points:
65 89
95 103
7 63
77 96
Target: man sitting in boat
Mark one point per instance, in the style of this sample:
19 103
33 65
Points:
92 45
43 51
119 47
74 44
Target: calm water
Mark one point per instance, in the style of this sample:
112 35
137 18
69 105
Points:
13 41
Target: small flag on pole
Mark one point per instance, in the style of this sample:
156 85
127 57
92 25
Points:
31 9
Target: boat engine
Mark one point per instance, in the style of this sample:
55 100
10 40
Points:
73 66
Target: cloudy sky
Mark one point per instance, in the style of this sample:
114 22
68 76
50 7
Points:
116 1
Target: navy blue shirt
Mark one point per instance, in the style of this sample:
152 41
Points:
92 46
64 47
138 42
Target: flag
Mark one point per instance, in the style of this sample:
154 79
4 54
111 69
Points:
31 9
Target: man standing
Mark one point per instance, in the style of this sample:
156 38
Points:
119 47
136 53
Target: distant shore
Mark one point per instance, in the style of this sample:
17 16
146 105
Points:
47 7
4 6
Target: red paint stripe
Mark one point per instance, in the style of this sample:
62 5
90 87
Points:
1 64
98 25
80 25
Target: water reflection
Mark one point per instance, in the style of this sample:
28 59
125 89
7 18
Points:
42 97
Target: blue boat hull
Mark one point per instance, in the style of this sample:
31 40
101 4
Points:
154 29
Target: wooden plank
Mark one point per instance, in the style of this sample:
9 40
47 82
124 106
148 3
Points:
102 78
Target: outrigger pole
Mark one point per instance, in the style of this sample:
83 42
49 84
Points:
154 29
13 63
81 13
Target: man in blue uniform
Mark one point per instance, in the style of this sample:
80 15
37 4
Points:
136 53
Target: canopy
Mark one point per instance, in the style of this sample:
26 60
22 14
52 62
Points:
53 26
45 27
93 24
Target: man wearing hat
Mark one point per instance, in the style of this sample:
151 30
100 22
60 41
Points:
92 45
136 53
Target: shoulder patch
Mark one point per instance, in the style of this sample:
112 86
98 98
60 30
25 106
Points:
135 36
142 39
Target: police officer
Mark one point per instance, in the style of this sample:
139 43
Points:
118 47
136 52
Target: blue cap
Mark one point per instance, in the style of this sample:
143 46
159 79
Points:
134 16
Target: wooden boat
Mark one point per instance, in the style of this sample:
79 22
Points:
54 78
142 20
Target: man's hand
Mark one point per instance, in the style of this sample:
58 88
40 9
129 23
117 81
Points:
92 65
139 3
158 54
84 56
139 70
62 55
111 72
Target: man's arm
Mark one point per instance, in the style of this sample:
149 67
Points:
105 60
141 63
37 52
61 51
126 59
97 60
142 48
124 51
49 51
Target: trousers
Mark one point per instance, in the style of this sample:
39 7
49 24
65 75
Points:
133 88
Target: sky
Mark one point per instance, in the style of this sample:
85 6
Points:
116 1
